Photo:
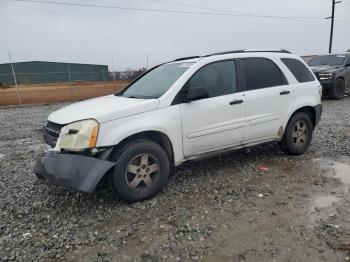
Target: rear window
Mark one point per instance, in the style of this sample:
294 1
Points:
261 73
299 70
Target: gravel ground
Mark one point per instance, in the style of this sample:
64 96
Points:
219 209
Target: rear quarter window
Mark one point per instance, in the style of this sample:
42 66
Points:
261 73
299 70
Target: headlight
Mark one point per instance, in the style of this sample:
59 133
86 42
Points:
326 76
78 135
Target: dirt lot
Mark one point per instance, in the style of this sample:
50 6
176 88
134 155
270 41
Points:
60 92
221 209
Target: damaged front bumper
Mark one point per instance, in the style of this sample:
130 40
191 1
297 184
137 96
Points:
74 172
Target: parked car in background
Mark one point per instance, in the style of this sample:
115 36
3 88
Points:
333 71
190 108
307 58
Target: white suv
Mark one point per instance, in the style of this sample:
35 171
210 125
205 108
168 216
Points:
189 108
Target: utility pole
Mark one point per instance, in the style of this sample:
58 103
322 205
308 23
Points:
147 62
71 83
332 24
15 79
113 68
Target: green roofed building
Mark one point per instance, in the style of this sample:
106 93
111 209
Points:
35 72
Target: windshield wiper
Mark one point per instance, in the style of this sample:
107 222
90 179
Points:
133 97
141 97
137 97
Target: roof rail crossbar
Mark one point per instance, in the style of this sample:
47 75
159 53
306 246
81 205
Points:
186 58
252 51
268 50
226 52
236 52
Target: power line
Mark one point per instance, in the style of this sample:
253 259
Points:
234 12
238 14
197 6
220 9
229 11
296 18
342 1
342 22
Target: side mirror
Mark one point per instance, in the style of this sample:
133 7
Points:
196 93
348 64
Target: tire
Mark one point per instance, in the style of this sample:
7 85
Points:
338 90
298 134
142 170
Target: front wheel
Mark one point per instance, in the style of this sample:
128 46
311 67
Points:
298 134
142 170
338 90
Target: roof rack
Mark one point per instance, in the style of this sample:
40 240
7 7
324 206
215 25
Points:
238 51
252 51
186 58
268 50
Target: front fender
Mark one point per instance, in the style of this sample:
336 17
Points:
166 121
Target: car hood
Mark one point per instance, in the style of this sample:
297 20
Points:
103 109
326 69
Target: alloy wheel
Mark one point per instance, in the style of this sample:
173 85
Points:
142 171
299 134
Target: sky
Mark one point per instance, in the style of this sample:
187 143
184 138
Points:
123 38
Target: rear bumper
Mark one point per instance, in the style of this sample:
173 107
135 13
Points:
74 172
318 111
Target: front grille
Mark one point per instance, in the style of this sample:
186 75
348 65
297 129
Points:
51 131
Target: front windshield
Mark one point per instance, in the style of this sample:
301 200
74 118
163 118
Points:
331 60
156 82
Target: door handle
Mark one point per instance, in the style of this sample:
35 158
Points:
236 101
284 93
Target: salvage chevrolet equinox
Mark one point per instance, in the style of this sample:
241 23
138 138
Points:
189 108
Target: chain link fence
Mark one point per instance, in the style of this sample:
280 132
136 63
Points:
49 78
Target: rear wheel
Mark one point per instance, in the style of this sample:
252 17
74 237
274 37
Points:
298 134
338 90
142 170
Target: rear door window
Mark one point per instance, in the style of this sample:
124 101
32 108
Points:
299 70
261 73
